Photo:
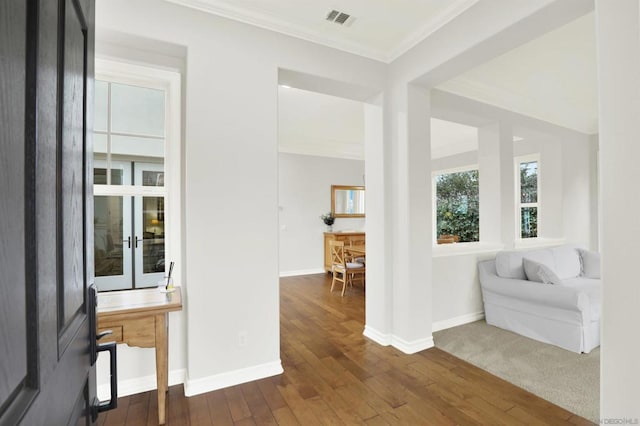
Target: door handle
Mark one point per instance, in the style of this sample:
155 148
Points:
138 240
128 241
100 406
97 406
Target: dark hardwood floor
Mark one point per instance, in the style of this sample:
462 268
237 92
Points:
333 375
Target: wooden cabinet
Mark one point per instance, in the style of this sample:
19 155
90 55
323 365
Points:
347 237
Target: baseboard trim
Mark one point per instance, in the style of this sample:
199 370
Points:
231 378
380 338
397 342
139 384
456 321
302 272
412 347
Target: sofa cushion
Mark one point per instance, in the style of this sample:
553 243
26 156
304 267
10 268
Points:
543 257
590 263
567 261
509 262
564 261
539 272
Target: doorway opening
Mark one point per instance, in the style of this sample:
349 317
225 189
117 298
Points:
327 129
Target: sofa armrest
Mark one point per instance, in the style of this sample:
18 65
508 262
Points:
545 294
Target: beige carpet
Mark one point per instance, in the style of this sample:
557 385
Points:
567 379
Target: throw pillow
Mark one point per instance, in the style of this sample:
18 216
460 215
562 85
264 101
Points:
540 273
566 261
590 263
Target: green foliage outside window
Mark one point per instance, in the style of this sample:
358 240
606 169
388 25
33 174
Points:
529 182
529 195
457 205
529 222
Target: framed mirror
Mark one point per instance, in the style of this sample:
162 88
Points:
347 201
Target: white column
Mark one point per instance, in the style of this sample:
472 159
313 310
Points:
618 41
379 253
412 304
551 188
507 187
497 192
489 193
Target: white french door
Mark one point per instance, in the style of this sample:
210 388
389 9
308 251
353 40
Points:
112 231
148 223
129 229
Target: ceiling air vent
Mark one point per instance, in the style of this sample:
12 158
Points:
340 18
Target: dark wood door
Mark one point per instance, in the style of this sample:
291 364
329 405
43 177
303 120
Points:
47 374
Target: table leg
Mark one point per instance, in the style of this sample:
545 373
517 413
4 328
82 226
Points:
162 367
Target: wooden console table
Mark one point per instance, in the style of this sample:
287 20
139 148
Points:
139 318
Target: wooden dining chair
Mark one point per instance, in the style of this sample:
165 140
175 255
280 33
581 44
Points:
358 243
343 268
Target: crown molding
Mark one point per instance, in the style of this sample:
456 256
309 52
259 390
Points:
270 22
305 144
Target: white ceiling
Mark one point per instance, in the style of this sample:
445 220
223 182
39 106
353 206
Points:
553 78
312 123
382 29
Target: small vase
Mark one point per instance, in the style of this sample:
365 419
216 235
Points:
329 228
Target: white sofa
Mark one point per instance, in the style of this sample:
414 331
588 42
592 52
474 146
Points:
556 299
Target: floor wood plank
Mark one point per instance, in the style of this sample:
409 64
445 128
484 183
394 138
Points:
334 375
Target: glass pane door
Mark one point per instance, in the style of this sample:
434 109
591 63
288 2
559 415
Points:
112 230
149 223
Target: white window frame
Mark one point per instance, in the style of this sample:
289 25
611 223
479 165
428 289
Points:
170 82
519 205
434 200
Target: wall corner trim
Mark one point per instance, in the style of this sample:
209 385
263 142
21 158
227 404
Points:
380 338
413 346
456 321
397 342
231 378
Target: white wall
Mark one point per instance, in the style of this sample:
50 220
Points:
580 192
304 194
617 29
454 161
231 177
457 298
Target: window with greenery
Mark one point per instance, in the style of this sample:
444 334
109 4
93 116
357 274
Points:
528 200
457 207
